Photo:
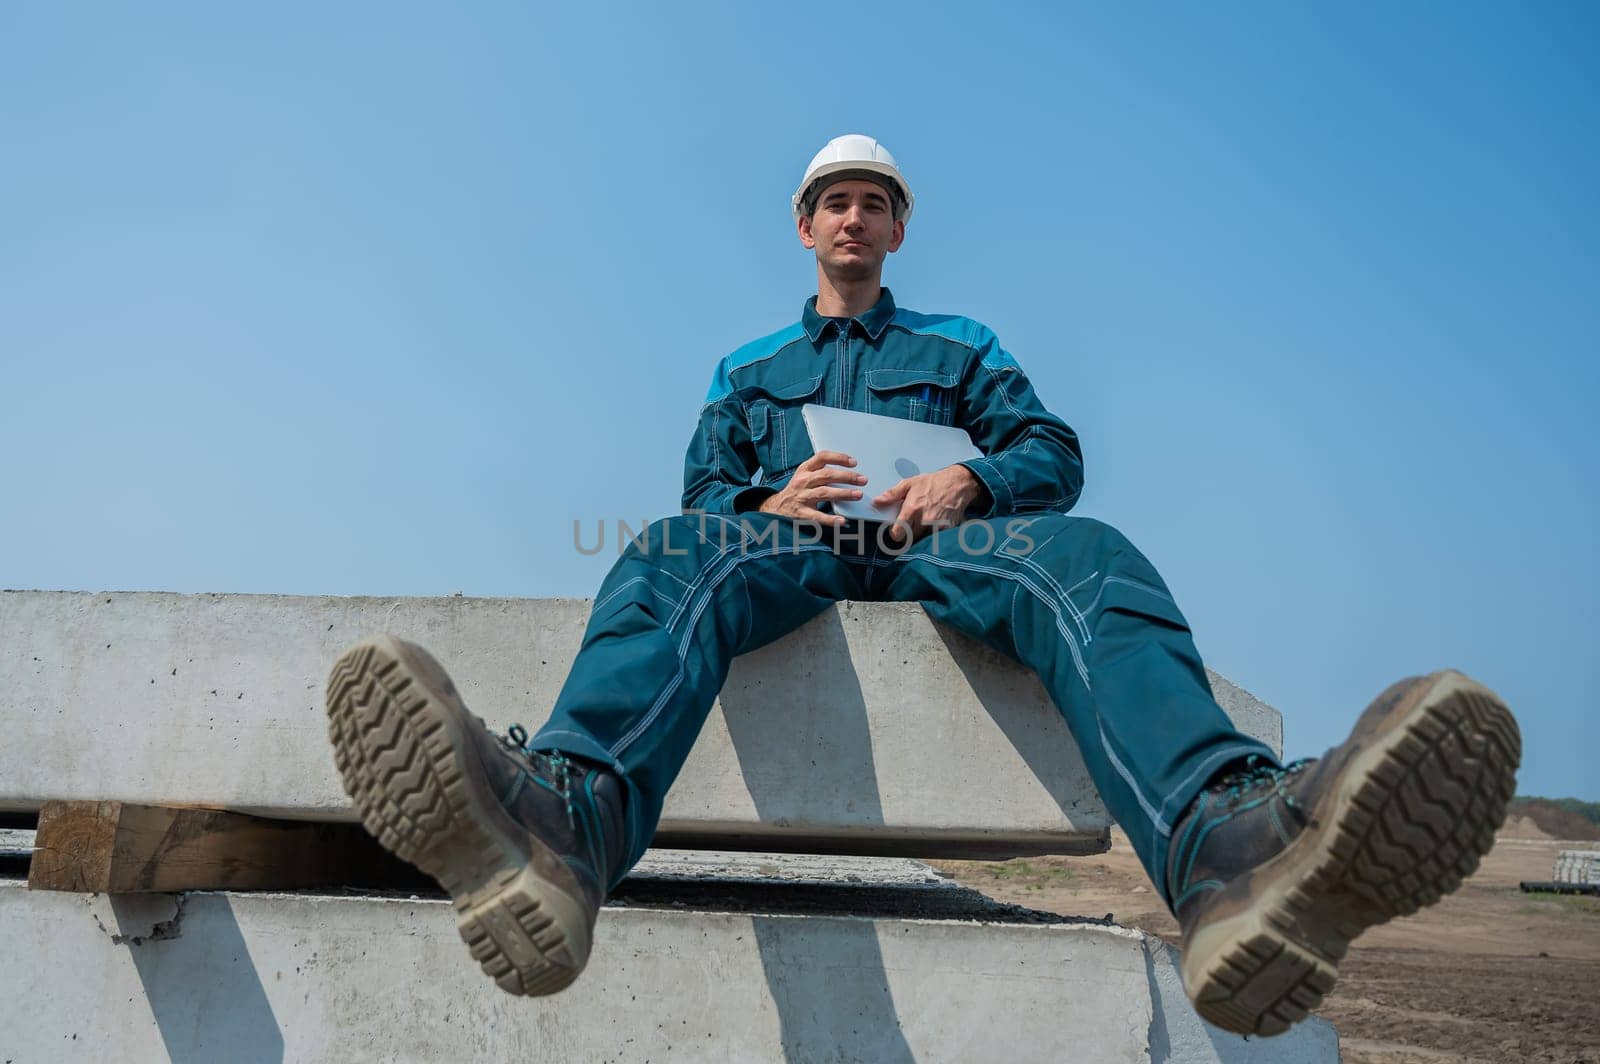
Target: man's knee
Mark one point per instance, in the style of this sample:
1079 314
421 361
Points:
1099 533
1061 535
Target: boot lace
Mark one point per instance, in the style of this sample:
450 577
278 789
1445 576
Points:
1257 774
552 765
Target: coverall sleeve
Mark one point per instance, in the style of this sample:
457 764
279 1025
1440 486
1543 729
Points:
722 458
1032 459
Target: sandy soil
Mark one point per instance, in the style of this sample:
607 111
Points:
1488 975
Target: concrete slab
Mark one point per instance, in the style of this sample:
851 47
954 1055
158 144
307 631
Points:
260 977
1578 866
812 885
16 842
16 851
217 700
701 865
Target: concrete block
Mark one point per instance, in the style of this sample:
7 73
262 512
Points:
263 977
711 865
849 735
16 842
1578 866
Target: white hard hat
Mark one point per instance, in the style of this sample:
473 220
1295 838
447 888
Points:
854 151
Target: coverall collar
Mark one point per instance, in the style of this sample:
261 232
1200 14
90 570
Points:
874 320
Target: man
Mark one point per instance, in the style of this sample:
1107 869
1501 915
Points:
1271 869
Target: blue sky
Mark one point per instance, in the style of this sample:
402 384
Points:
378 299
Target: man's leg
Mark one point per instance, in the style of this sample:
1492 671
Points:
528 835
667 623
1271 870
1073 600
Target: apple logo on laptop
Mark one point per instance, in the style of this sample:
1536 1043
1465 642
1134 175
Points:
906 468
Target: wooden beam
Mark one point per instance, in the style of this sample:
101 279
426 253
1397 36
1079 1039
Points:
122 848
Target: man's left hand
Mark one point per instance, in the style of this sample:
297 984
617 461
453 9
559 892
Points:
931 501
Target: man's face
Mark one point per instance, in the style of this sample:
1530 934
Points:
852 229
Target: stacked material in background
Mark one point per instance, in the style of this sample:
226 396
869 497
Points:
1578 866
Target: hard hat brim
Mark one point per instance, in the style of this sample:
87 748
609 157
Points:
872 166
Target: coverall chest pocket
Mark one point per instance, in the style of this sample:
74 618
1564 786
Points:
776 427
914 394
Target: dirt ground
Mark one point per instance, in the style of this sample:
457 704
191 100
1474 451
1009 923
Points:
1488 975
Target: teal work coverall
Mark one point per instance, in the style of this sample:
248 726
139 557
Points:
1068 597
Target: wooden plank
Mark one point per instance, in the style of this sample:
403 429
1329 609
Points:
124 848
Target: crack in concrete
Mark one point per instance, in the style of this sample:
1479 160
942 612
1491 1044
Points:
160 930
166 929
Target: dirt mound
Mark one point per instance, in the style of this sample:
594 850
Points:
1554 821
1523 827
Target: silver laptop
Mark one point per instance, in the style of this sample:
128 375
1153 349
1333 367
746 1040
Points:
886 450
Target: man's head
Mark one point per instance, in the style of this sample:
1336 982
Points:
852 229
851 207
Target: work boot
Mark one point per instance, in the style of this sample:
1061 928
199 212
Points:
526 843
1273 871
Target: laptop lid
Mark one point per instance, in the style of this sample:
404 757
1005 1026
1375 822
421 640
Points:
886 449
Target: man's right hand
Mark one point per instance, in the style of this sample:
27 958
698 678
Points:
813 482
